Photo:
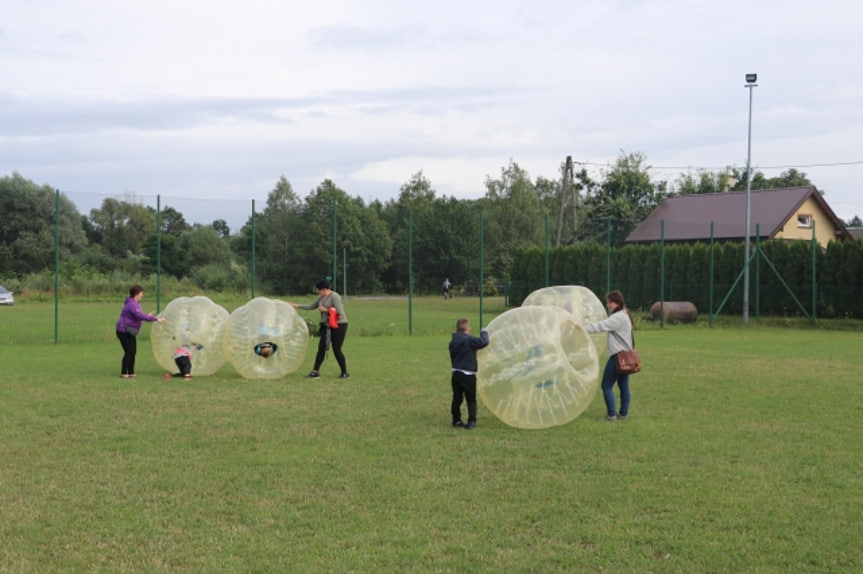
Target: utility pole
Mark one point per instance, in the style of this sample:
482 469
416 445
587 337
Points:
574 189
566 186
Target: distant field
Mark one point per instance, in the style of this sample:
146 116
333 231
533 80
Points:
742 454
80 321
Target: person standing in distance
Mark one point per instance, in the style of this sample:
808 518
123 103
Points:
618 325
128 327
328 299
462 351
446 287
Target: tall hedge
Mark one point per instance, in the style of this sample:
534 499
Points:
637 271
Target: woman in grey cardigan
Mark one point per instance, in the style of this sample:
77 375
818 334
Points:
329 302
618 325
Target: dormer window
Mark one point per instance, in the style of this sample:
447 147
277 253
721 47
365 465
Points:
804 221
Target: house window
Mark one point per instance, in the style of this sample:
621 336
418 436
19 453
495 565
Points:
804 221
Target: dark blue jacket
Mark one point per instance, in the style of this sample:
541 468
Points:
462 350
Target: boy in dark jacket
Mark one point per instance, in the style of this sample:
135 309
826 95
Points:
462 352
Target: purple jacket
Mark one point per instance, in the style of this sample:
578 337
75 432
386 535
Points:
132 316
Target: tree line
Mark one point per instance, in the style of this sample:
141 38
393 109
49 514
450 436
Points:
418 236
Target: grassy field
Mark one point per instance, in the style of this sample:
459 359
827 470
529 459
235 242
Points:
741 454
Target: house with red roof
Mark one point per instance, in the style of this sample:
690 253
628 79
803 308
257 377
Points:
789 214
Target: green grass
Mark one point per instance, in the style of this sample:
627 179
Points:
33 322
742 454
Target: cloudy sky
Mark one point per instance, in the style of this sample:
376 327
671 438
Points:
207 103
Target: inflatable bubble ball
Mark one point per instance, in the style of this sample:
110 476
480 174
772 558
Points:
265 339
578 300
540 370
191 321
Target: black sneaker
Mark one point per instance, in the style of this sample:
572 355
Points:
470 425
314 375
345 376
457 424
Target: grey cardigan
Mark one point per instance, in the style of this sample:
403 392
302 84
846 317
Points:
619 329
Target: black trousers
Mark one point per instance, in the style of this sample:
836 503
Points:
184 364
337 338
130 348
463 389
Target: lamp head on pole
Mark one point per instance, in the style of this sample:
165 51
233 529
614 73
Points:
751 78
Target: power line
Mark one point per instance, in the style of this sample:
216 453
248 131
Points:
832 164
134 196
754 167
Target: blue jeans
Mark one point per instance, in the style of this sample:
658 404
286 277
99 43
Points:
609 377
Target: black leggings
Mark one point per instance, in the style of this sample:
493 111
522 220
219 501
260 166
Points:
184 363
337 338
130 348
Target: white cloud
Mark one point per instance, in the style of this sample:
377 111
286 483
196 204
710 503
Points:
219 99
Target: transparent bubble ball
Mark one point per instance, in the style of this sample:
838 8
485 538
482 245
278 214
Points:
540 370
191 320
265 339
578 300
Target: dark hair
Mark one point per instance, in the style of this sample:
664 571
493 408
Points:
322 284
134 290
617 297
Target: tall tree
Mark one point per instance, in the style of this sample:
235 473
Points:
201 245
367 245
515 218
169 254
28 226
623 199
173 222
276 230
443 238
789 178
123 225
703 181
358 230
221 227
409 220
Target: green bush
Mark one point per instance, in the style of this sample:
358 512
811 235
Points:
215 277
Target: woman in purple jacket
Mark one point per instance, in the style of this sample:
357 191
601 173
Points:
128 326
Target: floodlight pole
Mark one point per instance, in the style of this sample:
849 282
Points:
750 83
345 245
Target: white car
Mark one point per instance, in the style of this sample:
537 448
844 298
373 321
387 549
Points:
6 296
